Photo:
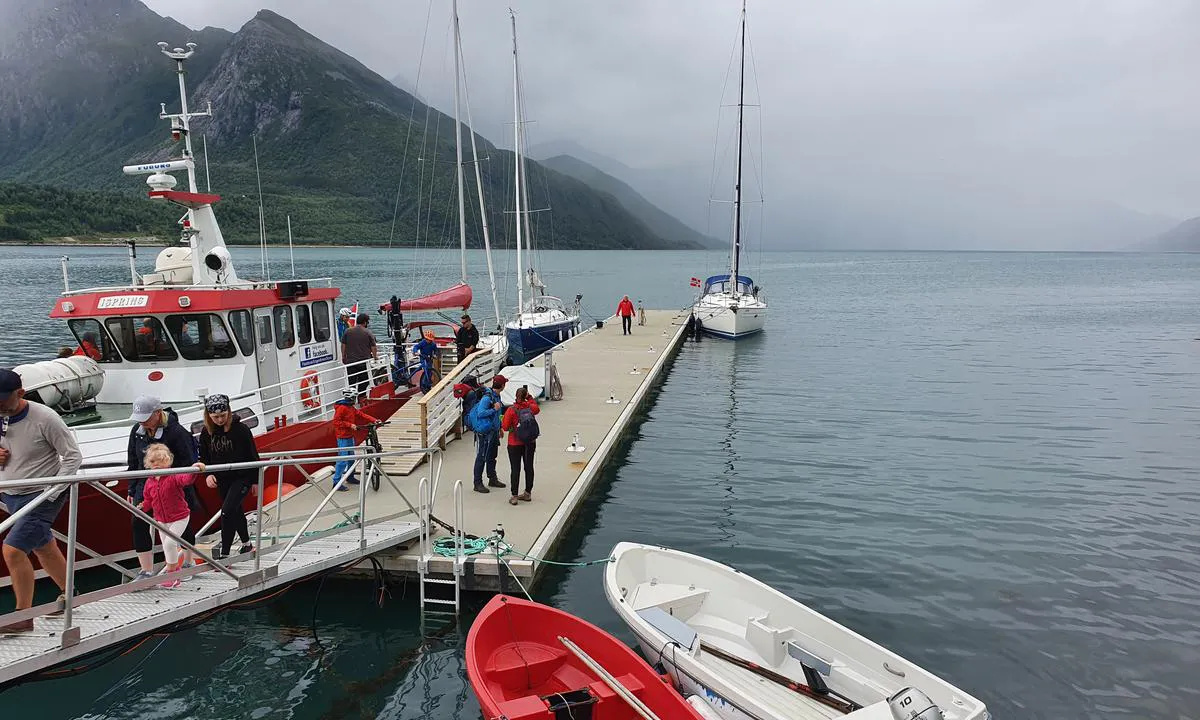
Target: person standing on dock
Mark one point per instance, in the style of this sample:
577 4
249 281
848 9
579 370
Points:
226 439
155 424
485 419
466 338
523 431
625 310
359 346
34 442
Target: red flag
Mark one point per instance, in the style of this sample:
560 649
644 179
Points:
695 282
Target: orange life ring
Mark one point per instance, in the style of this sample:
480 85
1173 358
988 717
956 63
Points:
310 390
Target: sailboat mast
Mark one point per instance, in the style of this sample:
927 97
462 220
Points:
487 241
517 164
737 188
521 170
462 210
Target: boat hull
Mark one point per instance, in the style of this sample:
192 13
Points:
105 528
518 667
730 639
527 342
720 320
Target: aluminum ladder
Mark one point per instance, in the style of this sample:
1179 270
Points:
425 512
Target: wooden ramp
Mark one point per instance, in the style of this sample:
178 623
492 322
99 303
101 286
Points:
106 617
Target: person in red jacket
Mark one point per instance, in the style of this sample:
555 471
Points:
625 310
348 422
87 346
522 442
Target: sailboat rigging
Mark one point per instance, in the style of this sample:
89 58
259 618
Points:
732 305
542 321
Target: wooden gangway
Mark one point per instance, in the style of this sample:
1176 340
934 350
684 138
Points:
107 618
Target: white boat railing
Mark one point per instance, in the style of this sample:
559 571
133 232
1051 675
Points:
330 381
243 285
53 486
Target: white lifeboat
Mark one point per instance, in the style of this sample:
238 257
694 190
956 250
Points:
63 383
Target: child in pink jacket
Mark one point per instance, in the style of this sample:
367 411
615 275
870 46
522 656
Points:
164 499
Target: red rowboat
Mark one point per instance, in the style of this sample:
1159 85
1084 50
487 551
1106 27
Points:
528 661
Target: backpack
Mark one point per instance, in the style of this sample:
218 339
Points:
470 398
478 423
527 425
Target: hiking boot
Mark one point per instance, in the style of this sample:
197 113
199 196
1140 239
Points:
496 483
525 497
512 500
352 480
21 626
246 548
481 489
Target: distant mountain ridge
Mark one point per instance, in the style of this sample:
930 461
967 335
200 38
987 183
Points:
661 223
80 85
1184 237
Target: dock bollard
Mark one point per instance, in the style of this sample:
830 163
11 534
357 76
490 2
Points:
635 371
651 349
575 447
612 398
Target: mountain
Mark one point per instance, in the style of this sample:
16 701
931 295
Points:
338 145
659 222
1184 237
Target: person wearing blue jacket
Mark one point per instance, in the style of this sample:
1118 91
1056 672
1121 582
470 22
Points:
485 419
154 424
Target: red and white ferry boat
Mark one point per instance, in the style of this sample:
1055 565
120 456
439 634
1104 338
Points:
191 327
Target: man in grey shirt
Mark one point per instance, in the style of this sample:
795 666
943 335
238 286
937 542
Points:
358 346
34 442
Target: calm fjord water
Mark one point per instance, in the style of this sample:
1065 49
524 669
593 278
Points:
985 462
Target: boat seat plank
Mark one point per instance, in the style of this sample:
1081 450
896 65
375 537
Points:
671 626
530 707
601 691
524 664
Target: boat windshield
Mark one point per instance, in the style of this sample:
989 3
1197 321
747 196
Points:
141 339
544 303
722 284
94 341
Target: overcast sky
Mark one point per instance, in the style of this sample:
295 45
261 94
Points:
1064 103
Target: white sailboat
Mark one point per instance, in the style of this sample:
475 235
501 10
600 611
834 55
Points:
542 321
731 305
755 654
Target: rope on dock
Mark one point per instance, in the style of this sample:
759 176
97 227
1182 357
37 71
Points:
445 547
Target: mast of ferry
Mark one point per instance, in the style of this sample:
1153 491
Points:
462 211
517 165
183 118
737 188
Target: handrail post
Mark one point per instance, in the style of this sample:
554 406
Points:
368 465
424 423
72 535
278 501
262 476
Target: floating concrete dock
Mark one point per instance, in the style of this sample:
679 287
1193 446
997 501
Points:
605 377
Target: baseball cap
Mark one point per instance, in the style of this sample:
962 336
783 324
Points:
143 407
499 381
10 382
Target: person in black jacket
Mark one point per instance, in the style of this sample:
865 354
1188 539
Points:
156 424
466 338
225 439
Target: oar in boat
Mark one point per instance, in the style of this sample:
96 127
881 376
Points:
638 706
836 702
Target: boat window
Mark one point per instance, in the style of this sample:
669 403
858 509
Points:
303 324
141 339
264 329
201 336
243 330
285 336
320 320
94 341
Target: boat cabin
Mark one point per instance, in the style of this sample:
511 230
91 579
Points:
720 284
180 342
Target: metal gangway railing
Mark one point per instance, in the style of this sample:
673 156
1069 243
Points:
266 559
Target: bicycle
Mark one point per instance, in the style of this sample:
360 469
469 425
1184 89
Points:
372 470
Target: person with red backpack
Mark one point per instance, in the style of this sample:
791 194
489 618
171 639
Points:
522 428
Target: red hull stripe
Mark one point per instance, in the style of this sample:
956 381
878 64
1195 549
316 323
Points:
150 302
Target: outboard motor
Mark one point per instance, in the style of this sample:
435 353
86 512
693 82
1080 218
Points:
912 704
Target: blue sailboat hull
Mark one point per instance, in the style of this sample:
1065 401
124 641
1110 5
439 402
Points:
528 342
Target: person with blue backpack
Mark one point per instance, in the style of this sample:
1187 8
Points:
485 421
522 428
